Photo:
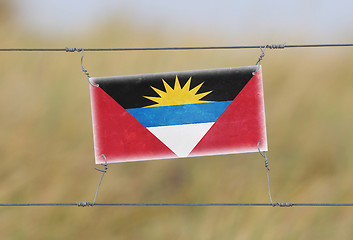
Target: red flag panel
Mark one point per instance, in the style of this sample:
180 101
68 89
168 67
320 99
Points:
118 135
240 127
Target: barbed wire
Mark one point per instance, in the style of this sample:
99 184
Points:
88 204
262 47
268 46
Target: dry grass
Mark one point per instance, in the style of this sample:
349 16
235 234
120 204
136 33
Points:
47 149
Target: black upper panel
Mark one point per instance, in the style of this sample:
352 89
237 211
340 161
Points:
128 91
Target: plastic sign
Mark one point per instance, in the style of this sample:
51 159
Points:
178 114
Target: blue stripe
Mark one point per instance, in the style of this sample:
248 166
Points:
179 114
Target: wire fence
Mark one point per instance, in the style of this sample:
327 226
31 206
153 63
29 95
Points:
89 204
262 47
268 46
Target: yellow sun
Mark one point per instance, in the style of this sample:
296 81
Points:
178 95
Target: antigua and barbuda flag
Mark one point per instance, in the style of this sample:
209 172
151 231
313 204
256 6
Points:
178 114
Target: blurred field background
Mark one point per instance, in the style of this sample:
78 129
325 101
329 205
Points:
46 142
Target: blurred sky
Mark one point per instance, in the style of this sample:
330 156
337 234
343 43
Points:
282 21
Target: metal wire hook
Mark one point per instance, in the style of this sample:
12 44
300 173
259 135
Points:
260 58
105 164
86 72
261 55
263 154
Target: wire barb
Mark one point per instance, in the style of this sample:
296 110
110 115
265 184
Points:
84 204
68 49
263 49
285 204
276 46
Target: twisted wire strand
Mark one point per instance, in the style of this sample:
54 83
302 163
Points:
263 154
82 67
269 46
104 171
87 204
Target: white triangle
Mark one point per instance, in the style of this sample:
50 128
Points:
181 139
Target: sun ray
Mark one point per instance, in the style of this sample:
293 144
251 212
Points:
196 89
154 99
167 87
177 84
159 92
179 95
186 87
201 95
